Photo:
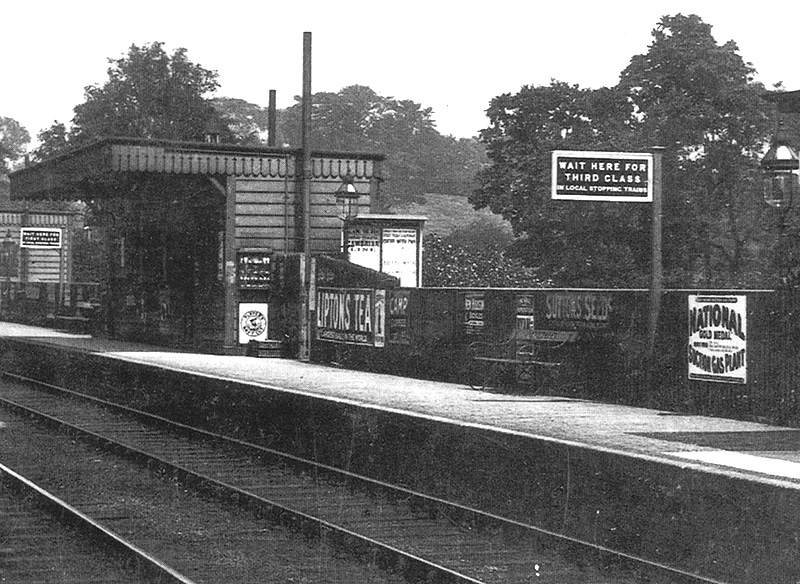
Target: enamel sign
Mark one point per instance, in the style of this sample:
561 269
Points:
602 176
40 238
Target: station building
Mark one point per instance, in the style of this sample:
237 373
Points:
187 235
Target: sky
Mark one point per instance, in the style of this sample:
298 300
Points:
451 56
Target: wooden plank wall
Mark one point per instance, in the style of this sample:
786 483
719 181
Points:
267 213
42 264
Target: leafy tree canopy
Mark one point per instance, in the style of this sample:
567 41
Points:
247 121
13 139
148 94
151 94
687 93
52 140
419 159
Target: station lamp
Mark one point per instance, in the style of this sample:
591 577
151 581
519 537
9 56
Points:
347 197
781 165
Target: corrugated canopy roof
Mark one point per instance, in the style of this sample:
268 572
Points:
66 175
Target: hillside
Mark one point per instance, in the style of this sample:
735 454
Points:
446 213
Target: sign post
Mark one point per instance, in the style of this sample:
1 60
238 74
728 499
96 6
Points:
618 177
657 270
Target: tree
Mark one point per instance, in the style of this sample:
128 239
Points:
247 121
418 158
688 94
148 94
52 141
455 163
699 100
575 244
13 139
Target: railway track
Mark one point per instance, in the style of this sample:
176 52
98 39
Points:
43 540
200 538
402 532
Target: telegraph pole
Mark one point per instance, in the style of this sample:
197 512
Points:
305 316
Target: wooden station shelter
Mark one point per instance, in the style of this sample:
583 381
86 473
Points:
48 262
192 231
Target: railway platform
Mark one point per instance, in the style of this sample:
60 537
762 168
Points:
714 496
744 449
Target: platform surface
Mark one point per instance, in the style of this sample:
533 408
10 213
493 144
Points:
746 450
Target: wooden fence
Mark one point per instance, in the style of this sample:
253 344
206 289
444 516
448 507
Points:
430 329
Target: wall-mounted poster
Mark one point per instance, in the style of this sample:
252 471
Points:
364 246
400 255
386 243
253 322
351 315
526 319
474 305
398 317
718 338
254 270
379 318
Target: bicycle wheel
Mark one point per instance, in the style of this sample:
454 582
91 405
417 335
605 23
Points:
527 378
480 374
